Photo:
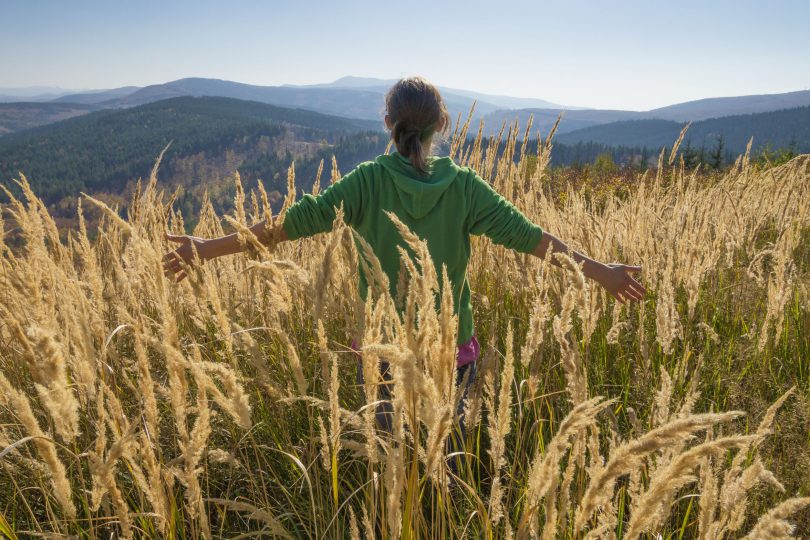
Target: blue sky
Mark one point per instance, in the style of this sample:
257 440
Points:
629 54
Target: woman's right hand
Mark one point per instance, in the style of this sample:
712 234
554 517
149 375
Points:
172 266
617 279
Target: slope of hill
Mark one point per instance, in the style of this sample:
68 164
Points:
366 103
96 97
32 93
26 115
343 102
775 129
106 149
704 109
650 133
363 97
543 119
382 85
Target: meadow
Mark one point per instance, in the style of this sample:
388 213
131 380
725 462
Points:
226 406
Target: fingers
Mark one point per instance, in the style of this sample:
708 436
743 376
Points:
174 266
635 285
631 288
629 291
176 273
170 270
170 259
633 294
179 238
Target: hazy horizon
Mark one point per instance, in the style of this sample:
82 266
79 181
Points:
632 56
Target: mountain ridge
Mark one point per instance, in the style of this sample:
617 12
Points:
776 129
363 98
110 147
573 120
510 102
16 117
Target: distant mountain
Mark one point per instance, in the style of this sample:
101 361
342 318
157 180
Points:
349 81
16 98
62 95
363 97
352 97
704 109
452 94
96 97
543 119
20 116
32 93
508 101
643 133
104 150
29 108
775 129
351 102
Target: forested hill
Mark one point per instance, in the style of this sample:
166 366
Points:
103 153
210 138
790 127
21 116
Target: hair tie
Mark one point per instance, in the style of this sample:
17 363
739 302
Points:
408 133
423 133
427 131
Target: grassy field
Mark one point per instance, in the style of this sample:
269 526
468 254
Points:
226 406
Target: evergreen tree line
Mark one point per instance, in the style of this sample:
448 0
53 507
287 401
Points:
107 150
103 151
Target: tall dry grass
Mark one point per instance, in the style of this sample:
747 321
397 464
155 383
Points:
134 407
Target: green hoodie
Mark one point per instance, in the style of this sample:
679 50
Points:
444 209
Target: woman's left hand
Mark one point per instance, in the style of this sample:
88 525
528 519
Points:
184 254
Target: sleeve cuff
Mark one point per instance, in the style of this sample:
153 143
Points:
289 226
534 238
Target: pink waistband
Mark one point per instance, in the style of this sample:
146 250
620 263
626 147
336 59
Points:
466 353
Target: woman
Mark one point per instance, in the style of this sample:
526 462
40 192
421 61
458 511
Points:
438 200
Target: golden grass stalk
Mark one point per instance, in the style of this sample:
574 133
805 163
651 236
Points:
185 377
652 508
629 455
18 402
354 530
499 427
102 469
774 524
49 368
272 525
544 469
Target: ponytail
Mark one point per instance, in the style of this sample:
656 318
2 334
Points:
409 143
415 107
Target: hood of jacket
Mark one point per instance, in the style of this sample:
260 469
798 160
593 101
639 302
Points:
419 194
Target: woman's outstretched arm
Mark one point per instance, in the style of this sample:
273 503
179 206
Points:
211 248
309 216
504 224
615 278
